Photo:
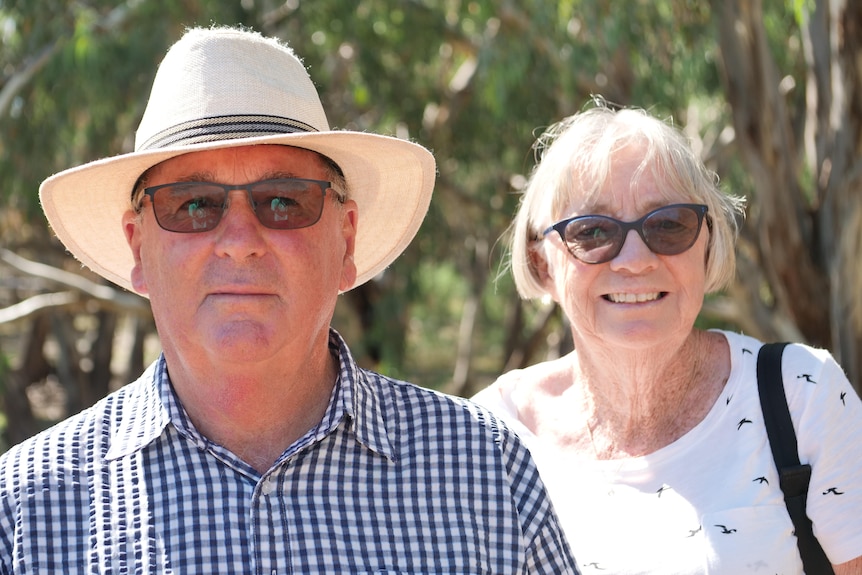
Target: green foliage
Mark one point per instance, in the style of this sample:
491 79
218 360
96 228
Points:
5 368
85 101
473 80
800 9
438 313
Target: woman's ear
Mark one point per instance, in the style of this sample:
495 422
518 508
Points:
538 263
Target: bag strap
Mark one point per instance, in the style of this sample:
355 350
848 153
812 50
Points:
794 477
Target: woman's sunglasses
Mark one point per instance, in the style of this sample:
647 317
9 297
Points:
667 231
279 204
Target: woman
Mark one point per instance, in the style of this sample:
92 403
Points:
649 434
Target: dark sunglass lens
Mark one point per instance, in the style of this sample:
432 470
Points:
671 230
593 239
187 208
288 204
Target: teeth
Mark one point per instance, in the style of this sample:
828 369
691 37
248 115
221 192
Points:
632 297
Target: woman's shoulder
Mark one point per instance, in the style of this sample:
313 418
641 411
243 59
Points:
796 354
526 380
808 372
498 395
739 343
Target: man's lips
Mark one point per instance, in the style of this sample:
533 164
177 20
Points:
239 292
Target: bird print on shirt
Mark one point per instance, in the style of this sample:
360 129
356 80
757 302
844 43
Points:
842 396
742 404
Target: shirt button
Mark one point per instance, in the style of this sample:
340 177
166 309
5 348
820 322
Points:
268 486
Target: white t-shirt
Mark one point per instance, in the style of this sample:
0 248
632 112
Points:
710 502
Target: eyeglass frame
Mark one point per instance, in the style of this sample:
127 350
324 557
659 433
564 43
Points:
323 185
637 225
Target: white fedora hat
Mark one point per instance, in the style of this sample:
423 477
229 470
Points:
223 87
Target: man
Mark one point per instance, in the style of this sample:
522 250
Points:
255 444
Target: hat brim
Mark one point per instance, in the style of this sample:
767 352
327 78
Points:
390 179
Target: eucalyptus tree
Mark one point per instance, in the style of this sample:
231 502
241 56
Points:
767 93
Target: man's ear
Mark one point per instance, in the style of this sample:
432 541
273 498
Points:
350 219
132 230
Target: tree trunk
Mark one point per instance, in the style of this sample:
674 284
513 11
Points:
21 423
102 354
833 52
808 235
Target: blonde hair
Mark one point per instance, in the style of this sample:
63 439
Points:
574 158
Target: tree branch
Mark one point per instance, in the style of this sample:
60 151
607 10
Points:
117 298
20 79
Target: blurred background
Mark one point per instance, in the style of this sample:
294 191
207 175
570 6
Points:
770 94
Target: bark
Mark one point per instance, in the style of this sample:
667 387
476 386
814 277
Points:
834 89
807 231
525 351
462 381
68 363
21 423
101 354
779 217
141 328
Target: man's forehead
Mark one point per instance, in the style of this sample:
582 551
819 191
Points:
257 161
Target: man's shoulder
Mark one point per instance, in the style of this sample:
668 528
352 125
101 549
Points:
417 408
76 435
406 391
390 393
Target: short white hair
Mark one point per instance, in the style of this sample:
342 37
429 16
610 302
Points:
574 158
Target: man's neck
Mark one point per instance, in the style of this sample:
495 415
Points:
257 413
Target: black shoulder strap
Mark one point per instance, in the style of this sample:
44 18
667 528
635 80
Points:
794 477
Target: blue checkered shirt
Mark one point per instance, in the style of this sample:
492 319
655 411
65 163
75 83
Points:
394 479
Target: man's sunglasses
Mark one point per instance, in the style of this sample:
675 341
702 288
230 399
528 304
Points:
667 231
279 204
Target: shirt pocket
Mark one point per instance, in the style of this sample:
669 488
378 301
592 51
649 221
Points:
750 540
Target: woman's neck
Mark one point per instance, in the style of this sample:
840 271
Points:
644 402
614 404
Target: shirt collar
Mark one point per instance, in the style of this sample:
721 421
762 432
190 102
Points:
359 394
143 415
150 403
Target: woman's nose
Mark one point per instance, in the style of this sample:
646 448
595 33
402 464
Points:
635 255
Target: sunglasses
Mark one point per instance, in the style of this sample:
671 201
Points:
667 231
279 204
